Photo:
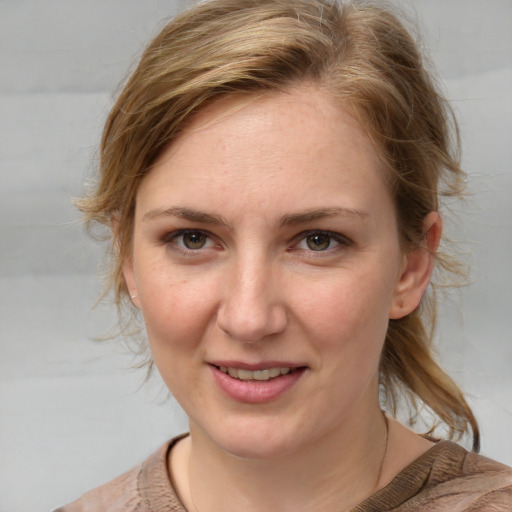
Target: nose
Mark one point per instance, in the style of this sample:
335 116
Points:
253 306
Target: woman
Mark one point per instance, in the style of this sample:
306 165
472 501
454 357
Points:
271 174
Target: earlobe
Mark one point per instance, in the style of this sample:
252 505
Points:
417 269
130 281
127 265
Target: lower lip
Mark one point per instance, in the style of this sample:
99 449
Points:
254 391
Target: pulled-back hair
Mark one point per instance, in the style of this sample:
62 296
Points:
362 56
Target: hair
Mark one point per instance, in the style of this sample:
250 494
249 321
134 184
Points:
362 55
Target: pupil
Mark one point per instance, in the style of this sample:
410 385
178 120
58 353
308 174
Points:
318 242
194 240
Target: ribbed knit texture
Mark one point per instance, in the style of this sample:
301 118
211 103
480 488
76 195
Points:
445 478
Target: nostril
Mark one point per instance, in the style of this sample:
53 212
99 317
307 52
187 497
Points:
252 307
250 327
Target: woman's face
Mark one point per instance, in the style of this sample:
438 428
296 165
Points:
266 263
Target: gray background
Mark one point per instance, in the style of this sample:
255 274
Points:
72 414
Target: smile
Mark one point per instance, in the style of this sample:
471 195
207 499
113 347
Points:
260 384
261 375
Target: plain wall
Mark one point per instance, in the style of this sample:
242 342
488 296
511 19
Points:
72 415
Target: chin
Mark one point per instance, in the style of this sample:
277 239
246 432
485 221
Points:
259 448
265 439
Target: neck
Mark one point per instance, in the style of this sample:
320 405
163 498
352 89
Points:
335 472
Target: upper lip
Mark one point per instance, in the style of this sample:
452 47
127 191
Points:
262 365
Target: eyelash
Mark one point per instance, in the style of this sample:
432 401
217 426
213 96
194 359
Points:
171 239
341 241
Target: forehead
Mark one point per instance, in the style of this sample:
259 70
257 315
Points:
304 107
292 143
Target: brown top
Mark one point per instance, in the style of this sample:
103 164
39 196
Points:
445 478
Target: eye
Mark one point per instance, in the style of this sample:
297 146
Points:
189 240
194 240
319 241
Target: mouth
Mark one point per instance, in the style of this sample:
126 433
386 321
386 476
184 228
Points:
264 374
256 384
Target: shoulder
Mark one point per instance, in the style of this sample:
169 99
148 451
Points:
446 477
143 488
452 463
459 480
118 494
483 484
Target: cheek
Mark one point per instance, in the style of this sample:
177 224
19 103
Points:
347 314
177 309
177 313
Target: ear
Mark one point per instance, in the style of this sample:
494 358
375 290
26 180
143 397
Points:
417 269
127 266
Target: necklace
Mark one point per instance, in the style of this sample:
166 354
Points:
375 486
381 465
190 487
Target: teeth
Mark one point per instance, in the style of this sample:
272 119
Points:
245 374
266 374
275 372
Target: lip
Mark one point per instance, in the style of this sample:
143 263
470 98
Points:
261 365
256 392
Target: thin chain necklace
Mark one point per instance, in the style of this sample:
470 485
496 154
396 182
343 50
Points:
381 465
190 488
379 474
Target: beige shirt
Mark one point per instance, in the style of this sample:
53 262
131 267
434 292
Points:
445 478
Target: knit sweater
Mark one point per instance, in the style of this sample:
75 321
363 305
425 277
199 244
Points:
445 478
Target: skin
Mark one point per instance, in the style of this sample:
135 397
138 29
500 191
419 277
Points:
274 174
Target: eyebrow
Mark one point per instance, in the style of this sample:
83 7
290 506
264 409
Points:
290 219
321 213
188 214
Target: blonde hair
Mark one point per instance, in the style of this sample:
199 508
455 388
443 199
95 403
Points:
362 55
